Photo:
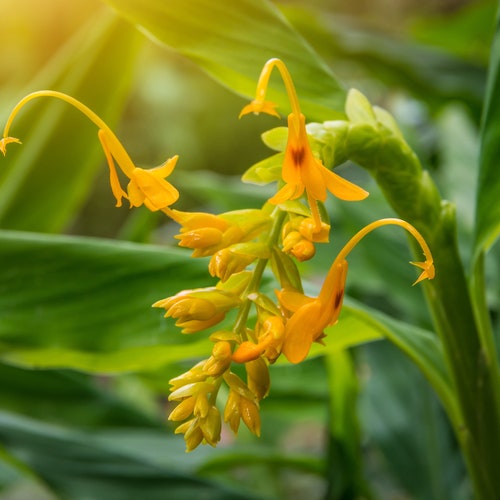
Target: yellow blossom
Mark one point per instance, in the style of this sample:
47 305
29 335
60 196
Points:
302 172
198 309
310 316
207 234
7 140
145 187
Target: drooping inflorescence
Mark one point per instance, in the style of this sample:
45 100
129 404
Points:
240 246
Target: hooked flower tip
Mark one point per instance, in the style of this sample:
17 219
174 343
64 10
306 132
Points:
7 140
428 270
257 106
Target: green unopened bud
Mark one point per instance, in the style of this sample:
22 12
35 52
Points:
358 109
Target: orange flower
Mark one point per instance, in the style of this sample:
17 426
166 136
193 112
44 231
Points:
301 171
310 316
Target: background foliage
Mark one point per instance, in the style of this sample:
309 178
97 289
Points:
85 361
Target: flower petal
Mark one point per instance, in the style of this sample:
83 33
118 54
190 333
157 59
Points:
342 188
300 332
158 191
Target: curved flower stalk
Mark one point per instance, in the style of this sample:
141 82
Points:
305 318
145 187
301 171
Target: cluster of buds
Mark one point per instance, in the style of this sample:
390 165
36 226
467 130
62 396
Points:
299 235
241 245
196 393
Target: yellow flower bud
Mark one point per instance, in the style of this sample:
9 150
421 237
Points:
193 435
303 250
198 309
291 240
258 379
191 390
183 410
211 426
249 412
311 232
200 238
226 263
220 360
232 411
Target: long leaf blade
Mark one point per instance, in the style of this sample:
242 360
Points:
232 41
487 206
46 179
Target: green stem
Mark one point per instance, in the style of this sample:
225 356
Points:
475 381
254 285
467 341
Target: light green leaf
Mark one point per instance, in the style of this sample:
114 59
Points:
487 206
46 179
232 41
84 303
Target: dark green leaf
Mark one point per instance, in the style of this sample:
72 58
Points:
78 465
487 206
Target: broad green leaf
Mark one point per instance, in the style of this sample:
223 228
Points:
84 303
404 426
487 206
69 398
232 41
81 465
344 458
44 181
359 324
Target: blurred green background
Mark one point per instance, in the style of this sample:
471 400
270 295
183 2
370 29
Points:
361 423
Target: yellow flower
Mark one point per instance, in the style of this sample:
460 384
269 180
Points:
146 187
207 234
310 316
7 140
301 171
198 309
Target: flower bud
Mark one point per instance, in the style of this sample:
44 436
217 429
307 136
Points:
258 379
232 411
211 426
249 412
183 410
220 360
303 250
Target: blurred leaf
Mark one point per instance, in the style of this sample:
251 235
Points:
79 465
465 32
86 303
222 192
429 73
232 41
46 179
344 458
67 397
408 444
359 324
487 206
